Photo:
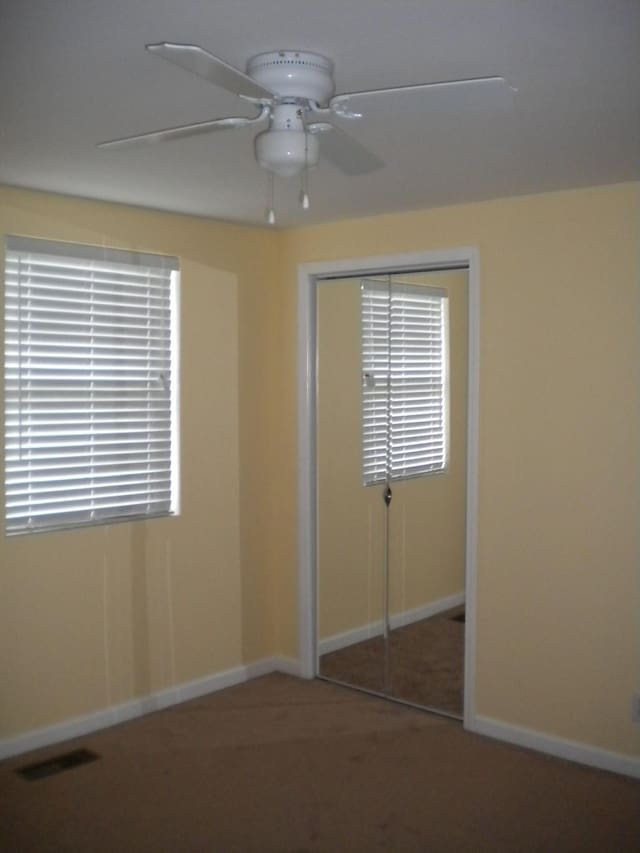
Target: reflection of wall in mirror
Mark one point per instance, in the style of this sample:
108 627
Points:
427 522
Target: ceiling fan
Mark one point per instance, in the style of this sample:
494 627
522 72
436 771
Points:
293 92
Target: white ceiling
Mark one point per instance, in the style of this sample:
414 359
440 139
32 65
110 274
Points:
75 72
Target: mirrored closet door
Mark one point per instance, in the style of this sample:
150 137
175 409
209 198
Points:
391 480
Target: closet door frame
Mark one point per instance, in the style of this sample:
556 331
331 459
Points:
310 277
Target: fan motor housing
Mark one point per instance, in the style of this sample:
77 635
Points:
296 74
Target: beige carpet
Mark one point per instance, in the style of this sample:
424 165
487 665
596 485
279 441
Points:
426 663
281 764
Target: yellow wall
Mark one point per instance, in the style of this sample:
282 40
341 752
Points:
558 642
558 591
427 519
95 617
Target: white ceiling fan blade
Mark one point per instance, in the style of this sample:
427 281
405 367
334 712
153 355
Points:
345 152
481 92
184 131
205 64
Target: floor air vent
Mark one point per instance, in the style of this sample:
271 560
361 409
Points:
57 764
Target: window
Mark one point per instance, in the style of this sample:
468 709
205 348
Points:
90 385
404 380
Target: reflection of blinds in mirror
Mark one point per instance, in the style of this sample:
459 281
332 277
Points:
404 380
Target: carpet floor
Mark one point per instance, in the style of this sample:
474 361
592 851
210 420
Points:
282 764
426 663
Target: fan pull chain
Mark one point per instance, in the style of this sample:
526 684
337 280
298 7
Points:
304 178
270 214
304 195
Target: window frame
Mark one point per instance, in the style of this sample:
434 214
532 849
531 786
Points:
162 274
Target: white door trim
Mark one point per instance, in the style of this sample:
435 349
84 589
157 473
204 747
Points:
309 275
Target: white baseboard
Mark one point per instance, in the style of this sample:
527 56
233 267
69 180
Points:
111 716
78 726
582 753
287 665
396 620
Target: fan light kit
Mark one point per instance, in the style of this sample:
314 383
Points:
285 148
293 92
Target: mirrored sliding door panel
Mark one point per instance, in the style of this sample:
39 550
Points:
351 518
391 479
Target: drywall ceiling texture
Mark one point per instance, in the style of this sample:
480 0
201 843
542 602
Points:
77 73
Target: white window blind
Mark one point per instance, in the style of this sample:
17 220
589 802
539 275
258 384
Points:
90 428
404 380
